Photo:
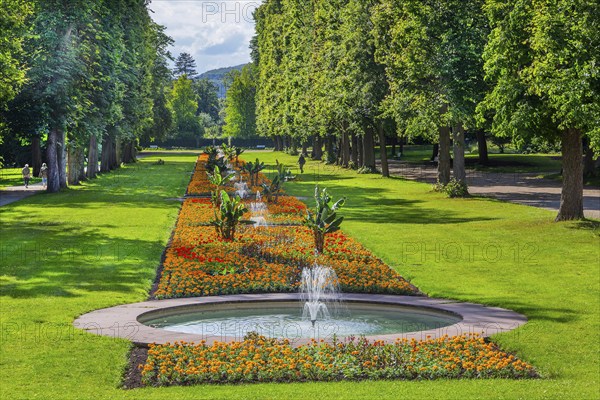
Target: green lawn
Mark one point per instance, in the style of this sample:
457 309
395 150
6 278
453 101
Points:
507 163
12 177
98 245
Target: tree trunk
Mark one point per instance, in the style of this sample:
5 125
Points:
305 146
52 157
317 151
394 141
444 156
92 165
571 199
62 159
458 165
401 140
36 155
129 152
369 149
345 150
80 164
385 171
118 153
359 150
329 149
435 152
353 149
482 147
107 154
73 169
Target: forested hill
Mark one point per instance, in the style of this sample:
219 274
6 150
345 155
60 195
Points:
216 76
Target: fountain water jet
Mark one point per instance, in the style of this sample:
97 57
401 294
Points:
319 287
241 188
258 209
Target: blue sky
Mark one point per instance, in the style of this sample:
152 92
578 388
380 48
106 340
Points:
216 33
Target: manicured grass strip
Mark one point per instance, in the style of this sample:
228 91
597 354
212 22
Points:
260 359
66 254
13 177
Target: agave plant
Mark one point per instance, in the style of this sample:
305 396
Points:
218 179
228 215
253 168
229 151
272 191
324 219
238 153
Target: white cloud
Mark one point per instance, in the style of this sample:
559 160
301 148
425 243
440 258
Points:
216 33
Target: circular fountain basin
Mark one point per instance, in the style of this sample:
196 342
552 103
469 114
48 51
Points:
285 320
445 317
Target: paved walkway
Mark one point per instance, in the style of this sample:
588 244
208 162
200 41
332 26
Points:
15 193
522 188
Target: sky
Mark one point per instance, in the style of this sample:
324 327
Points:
216 33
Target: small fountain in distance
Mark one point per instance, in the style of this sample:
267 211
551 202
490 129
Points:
319 288
241 188
258 209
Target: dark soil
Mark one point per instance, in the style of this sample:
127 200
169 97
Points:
133 375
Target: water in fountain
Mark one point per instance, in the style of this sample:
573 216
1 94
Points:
319 289
259 212
241 188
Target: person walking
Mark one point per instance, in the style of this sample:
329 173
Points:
44 175
26 172
301 162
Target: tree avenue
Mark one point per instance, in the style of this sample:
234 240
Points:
349 74
85 93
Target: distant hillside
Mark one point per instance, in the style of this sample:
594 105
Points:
216 76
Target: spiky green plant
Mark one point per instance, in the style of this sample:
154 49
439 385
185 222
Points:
324 219
228 215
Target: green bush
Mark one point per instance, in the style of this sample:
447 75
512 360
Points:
454 188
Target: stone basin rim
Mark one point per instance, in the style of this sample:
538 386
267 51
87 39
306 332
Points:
123 321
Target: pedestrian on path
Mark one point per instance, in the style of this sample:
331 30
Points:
301 162
44 175
26 175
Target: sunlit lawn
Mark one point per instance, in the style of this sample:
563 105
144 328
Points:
12 177
98 245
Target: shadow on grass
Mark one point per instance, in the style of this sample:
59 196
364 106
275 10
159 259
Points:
62 260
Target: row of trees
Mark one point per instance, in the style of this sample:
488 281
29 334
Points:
350 72
88 81
96 73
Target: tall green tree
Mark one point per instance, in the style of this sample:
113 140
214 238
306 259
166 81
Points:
185 65
14 27
543 59
432 53
182 100
240 103
208 98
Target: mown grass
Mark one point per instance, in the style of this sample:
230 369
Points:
99 245
498 162
12 177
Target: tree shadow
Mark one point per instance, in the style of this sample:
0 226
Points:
52 261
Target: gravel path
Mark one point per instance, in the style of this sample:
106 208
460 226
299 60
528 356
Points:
522 188
15 193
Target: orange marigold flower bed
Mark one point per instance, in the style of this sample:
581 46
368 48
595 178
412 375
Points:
263 260
261 359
